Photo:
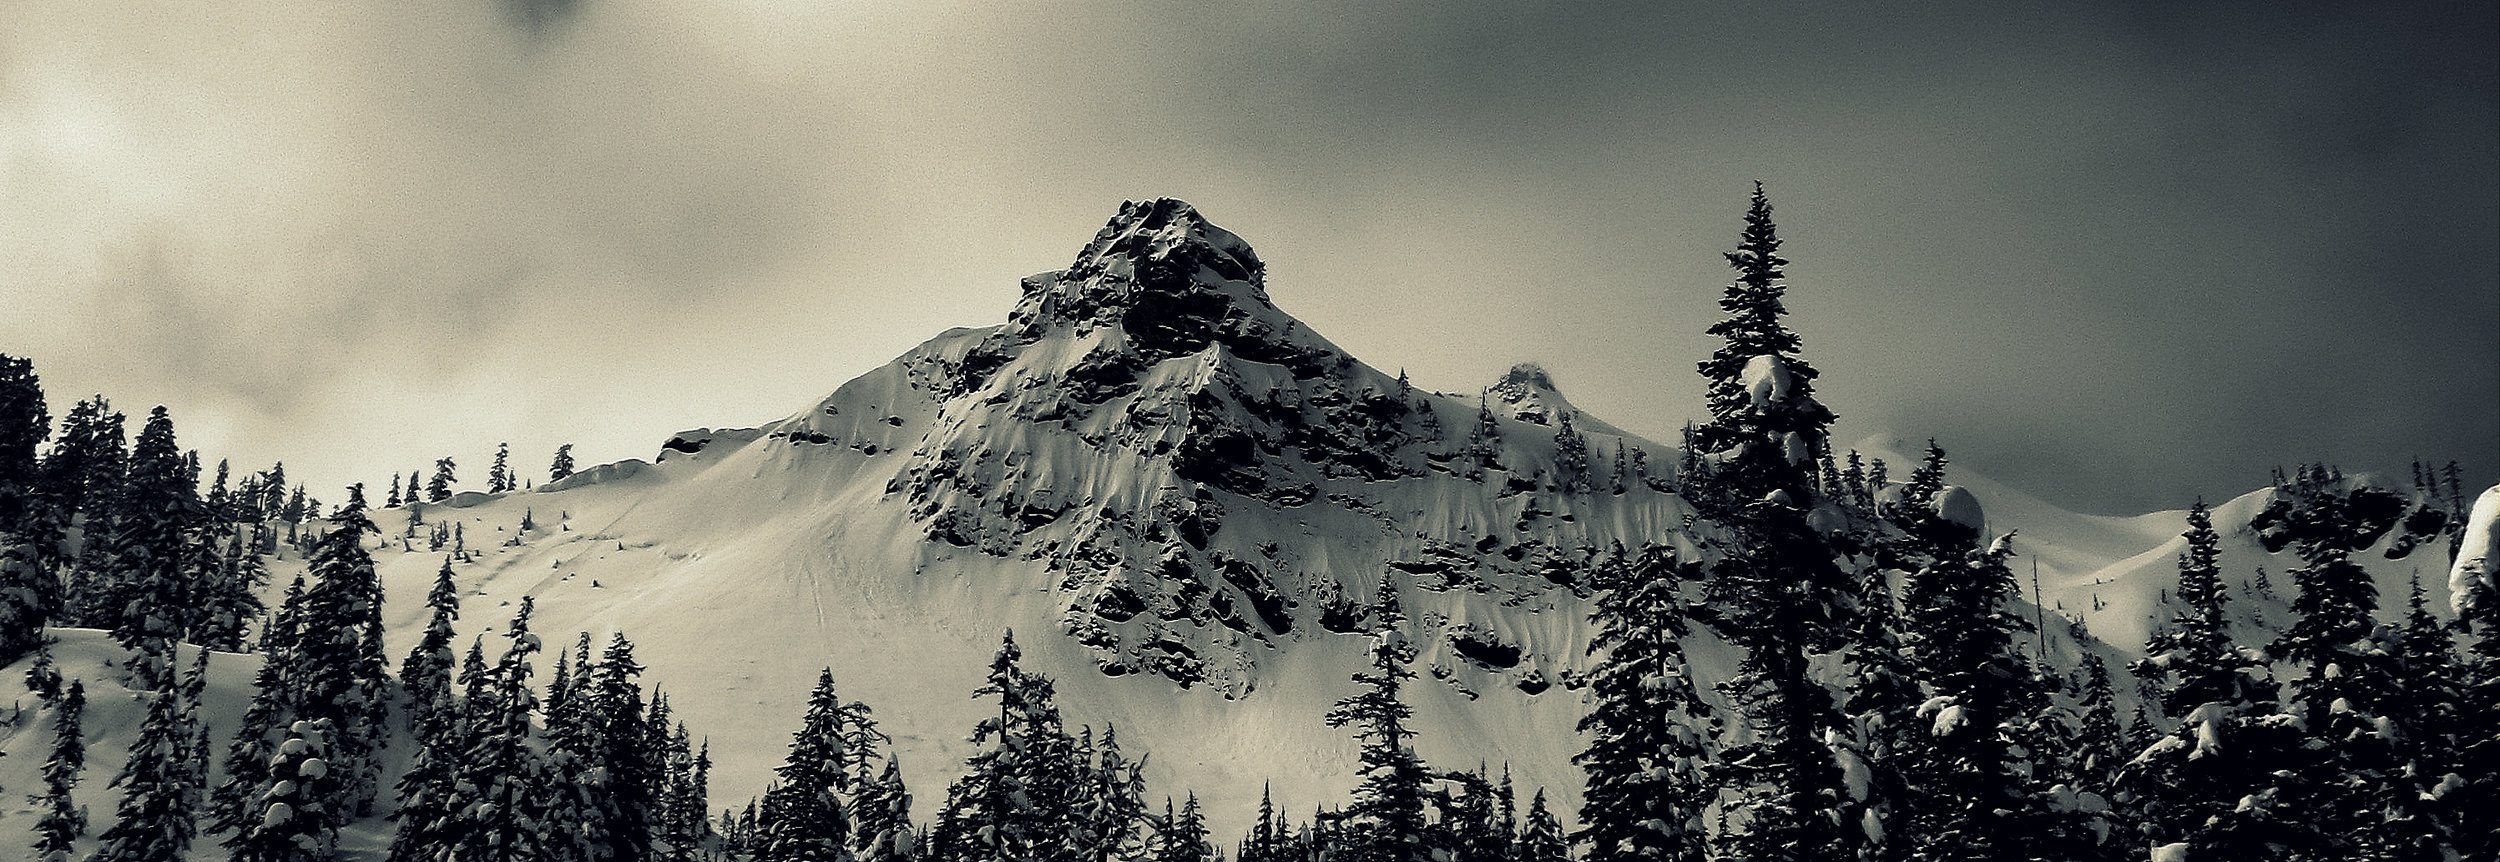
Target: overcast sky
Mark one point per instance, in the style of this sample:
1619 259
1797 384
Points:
2121 254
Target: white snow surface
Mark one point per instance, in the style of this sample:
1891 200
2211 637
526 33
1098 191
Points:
2478 560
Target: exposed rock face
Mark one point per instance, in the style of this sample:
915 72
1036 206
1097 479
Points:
1203 474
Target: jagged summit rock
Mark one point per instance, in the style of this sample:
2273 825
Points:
1170 283
1527 393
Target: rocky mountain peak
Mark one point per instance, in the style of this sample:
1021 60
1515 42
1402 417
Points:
1527 393
1170 282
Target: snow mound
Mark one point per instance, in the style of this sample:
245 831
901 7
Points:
1957 504
2477 568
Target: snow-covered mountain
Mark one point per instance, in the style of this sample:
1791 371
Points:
1182 500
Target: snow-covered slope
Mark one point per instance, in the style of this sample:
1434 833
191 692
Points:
1182 501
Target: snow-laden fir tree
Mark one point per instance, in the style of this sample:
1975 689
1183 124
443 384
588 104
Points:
62 821
83 472
1880 736
230 600
294 822
1110 802
805 817
2346 681
1467 829
146 576
1979 796
1266 841
504 786
2187 784
160 789
881 828
1751 471
1013 800
29 524
562 466
1385 822
1182 836
336 667
426 673
1648 728
1541 836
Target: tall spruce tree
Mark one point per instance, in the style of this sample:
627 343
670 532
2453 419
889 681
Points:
881 829
426 673
1648 726
2346 682
338 670
562 466
1013 800
1541 836
504 788
1751 471
1386 818
295 822
1979 795
148 576
160 790
439 488
29 526
499 477
63 820
1110 801
2186 785
805 818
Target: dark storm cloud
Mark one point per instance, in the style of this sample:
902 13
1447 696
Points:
2121 253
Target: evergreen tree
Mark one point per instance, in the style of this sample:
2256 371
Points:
1751 470
1110 802
1648 726
626 773
1571 457
2186 785
426 673
1014 798
338 671
1387 815
499 477
296 823
29 529
1881 733
1764 420
563 465
229 599
1184 836
439 489
427 794
1541 837
881 819
57 831
148 582
1977 787
83 472
1263 844
2345 686
159 790
504 786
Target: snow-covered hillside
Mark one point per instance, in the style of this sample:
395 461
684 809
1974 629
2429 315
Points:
1181 500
